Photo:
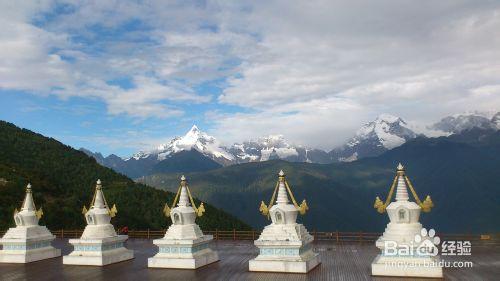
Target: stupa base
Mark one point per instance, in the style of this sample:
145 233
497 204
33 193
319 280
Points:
278 265
194 262
27 256
407 267
183 253
98 252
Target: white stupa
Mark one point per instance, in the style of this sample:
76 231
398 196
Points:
99 244
285 245
184 245
28 241
407 249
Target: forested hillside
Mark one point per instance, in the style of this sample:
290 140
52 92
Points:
63 180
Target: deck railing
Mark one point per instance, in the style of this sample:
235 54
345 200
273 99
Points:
336 236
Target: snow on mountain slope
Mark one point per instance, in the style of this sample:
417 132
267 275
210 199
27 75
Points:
389 130
372 139
496 120
268 148
193 139
384 133
460 122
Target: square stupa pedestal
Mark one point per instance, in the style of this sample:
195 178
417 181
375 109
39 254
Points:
98 252
32 247
407 266
183 253
284 256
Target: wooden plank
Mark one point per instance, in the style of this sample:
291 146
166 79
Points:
340 261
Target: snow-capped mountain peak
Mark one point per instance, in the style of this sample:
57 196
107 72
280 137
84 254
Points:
460 122
199 140
265 148
194 133
388 118
391 131
385 132
193 139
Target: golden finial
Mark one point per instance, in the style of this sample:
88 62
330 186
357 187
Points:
400 167
263 208
303 207
379 205
113 211
427 204
200 210
281 175
400 170
166 210
39 213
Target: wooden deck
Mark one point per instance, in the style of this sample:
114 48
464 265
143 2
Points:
340 261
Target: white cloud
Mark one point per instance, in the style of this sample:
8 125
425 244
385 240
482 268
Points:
319 123
311 70
406 58
47 60
26 60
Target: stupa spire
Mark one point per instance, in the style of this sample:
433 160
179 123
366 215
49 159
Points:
28 203
282 194
283 190
99 200
401 183
401 188
185 200
183 197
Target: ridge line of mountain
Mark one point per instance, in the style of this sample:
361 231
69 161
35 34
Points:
374 138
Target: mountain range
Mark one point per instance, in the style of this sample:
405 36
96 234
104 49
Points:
372 139
459 171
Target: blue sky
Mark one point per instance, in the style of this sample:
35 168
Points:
120 76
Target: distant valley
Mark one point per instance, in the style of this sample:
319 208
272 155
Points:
455 160
460 172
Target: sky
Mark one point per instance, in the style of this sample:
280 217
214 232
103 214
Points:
122 76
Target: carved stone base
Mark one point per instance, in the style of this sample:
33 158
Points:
98 252
26 256
292 266
24 244
183 253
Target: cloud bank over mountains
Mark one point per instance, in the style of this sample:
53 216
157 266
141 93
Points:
313 71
